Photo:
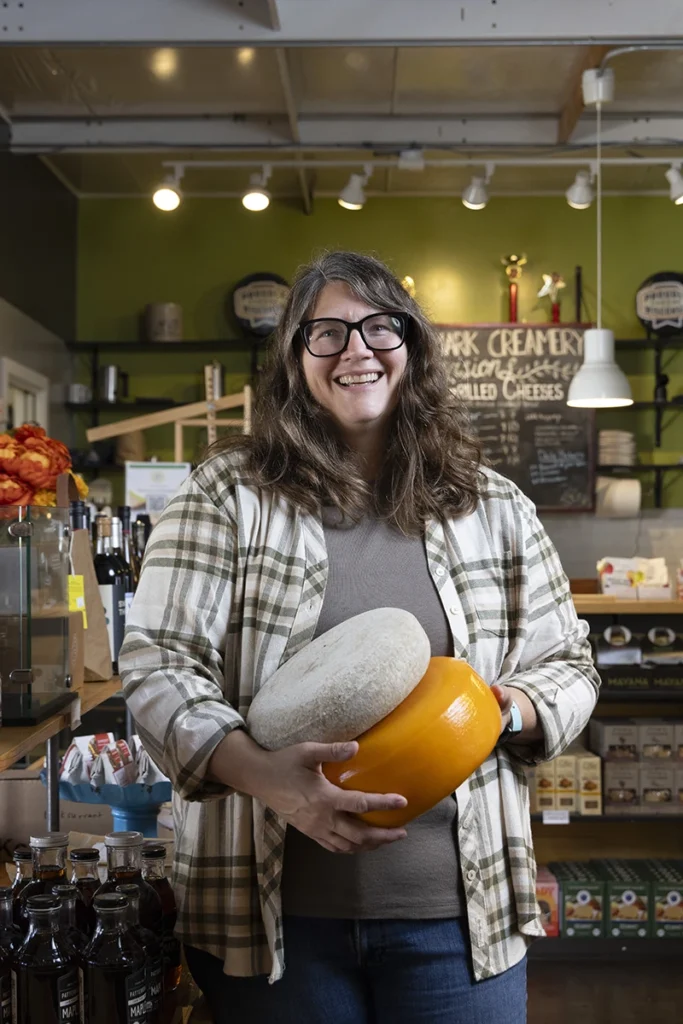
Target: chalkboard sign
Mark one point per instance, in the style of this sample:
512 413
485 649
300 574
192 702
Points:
513 378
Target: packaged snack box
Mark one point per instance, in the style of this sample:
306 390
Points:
678 740
621 788
542 794
548 896
566 786
666 881
656 740
614 739
627 899
657 789
582 899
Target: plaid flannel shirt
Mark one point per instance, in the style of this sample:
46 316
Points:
232 586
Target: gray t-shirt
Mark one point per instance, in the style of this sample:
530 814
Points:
372 565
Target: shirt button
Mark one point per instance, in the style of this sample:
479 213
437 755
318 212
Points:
440 571
454 609
471 875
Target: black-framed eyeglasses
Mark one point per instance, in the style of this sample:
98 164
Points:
329 336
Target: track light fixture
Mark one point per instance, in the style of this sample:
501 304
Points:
580 192
476 194
257 198
675 179
167 196
352 196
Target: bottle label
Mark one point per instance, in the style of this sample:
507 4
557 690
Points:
156 980
81 979
69 998
136 997
114 600
5 999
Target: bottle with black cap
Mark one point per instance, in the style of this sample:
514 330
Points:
114 971
152 947
10 940
23 863
71 929
154 872
124 866
84 875
45 980
49 868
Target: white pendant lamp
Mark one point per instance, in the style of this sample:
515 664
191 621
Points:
352 196
257 197
675 179
580 192
600 383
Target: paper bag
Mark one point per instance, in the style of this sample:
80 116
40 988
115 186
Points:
97 658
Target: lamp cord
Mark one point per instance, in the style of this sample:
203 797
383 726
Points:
599 212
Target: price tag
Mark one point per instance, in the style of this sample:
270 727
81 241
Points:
77 597
555 817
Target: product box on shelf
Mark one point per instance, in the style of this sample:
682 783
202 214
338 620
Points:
657 789
588 780
542 796
614 739
621 787
656 740
582 899
666 882
548 896
566 785
678 786
678 740
627 899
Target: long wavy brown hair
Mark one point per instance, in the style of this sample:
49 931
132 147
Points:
431 468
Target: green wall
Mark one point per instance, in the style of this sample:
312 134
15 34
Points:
131 254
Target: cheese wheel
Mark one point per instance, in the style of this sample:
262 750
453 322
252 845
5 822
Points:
343 682
424 749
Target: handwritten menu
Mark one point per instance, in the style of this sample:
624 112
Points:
514 379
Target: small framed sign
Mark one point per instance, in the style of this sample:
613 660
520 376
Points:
151 485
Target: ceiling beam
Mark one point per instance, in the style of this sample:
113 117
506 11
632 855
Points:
573 107
292 116
319 22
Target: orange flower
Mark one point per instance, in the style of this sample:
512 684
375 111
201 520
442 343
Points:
41 462
10 450
81 485
13 491
29 430
44 497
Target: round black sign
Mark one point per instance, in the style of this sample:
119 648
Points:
659 303
258 301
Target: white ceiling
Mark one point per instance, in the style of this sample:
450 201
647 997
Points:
108 118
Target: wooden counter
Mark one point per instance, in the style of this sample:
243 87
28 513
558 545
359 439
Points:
603 604
17 741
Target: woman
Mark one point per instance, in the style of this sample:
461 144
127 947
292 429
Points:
359 488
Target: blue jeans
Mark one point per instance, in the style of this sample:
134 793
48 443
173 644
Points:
366 972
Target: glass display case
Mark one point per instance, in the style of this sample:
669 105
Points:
34 613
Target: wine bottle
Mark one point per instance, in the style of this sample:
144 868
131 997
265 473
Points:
119 553
112 585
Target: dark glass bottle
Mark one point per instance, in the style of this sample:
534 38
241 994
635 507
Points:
114 975
154 872
23 862
10 940
124 865
45 981
112 585
71 928
127 543
78 519
84 875
152 947
49 868
119 553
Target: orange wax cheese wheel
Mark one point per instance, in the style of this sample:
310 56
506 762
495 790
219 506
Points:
427 746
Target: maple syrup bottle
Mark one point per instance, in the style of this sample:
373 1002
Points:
69 924
115 968
151 944
49 868
84 861
45 979
23 863
10 940
124 865
154 872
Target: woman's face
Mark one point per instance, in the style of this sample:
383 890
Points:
363 411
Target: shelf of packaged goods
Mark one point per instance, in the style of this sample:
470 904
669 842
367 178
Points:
583 819
18 741
640 950
603 604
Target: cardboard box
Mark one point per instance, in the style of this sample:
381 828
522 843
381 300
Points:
589 782
627 900
548 896
566 786
582 899
678 786
657 789
656 740
666 886
23 810
678 740
542 796
614 739
621 787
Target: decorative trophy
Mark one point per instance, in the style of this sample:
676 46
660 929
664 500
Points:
551 285
513 268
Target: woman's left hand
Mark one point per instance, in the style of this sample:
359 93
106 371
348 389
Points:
505 699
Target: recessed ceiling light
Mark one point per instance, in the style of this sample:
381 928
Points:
245 56
167 196
164 63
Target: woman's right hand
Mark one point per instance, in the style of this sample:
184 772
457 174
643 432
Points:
296 789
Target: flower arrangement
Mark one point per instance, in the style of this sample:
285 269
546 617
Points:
30 463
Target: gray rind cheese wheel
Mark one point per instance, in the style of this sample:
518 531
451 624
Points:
343 682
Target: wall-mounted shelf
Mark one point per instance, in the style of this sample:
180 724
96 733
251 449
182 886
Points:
636 950
145 347
603 604
576 819
643 344
137 404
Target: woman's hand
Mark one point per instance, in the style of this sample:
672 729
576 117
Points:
296 789
505 699
532 731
